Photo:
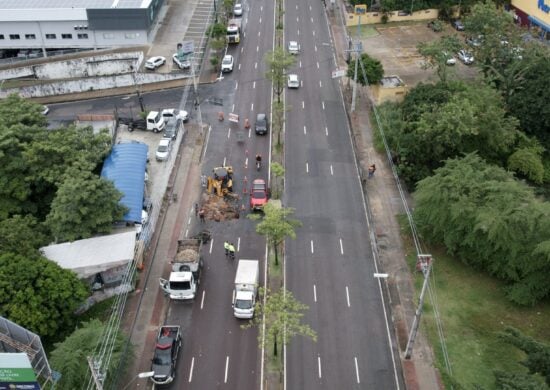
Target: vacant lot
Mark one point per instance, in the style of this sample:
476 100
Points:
395 46
473 311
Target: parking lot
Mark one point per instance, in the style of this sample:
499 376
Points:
395 47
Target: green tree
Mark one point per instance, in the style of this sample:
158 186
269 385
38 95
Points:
276 225
505 380
437 53
278 110
530 91
283 314
278 62
500 39
373 70
70 356
490 221
527 162
16 111
39 295
85 204
21 235
278 174
538 354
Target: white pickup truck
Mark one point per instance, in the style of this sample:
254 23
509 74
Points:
186 271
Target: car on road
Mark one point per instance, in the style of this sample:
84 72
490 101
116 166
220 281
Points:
165 357
169 113
293 81
435 25
258 194
465 57
163 149
261 126
458 25
227 63
449 58
238 9
172 128
45 110
293 47
155 62
182 62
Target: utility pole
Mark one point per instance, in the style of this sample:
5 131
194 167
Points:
358 47
425 262
97 375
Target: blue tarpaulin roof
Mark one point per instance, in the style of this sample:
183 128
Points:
125 167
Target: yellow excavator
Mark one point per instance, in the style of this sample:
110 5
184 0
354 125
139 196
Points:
221 181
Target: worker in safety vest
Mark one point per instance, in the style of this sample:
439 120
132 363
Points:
226 247
231 251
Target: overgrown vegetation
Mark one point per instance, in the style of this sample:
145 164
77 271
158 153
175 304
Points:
473 205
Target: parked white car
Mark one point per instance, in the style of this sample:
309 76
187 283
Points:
181 62
227 63
238 9
163 150
155 62
293 81
465 57
169 113
449 59
293 47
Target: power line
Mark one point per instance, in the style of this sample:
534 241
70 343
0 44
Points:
425 261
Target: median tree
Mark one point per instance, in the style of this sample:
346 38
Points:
278 174
276 225
283 315
278 62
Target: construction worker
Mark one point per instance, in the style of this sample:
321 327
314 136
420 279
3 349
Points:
226 247
231 251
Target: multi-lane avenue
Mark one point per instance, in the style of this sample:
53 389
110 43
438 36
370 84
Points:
330 265
217 352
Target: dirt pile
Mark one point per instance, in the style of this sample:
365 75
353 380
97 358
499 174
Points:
217 208
186 255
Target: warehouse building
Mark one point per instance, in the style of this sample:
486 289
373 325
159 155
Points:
44 25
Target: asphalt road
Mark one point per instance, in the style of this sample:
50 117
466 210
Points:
218 353
330 265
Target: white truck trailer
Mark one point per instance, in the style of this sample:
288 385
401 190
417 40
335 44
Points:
246 288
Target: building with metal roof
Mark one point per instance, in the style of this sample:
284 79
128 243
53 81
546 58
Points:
125 167
80 24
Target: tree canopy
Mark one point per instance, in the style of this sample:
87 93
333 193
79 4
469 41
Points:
278 62
85 204
21 235
437 53
374 71
447 120
284 314
276 225
70 356
39 295
537 362
490 221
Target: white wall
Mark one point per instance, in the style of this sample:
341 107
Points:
100 65
90 84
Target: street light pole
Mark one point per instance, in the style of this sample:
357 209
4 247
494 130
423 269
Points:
141 375
357 54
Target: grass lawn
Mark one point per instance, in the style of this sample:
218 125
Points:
474 310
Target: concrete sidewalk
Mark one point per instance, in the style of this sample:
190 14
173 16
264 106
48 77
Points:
386 204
